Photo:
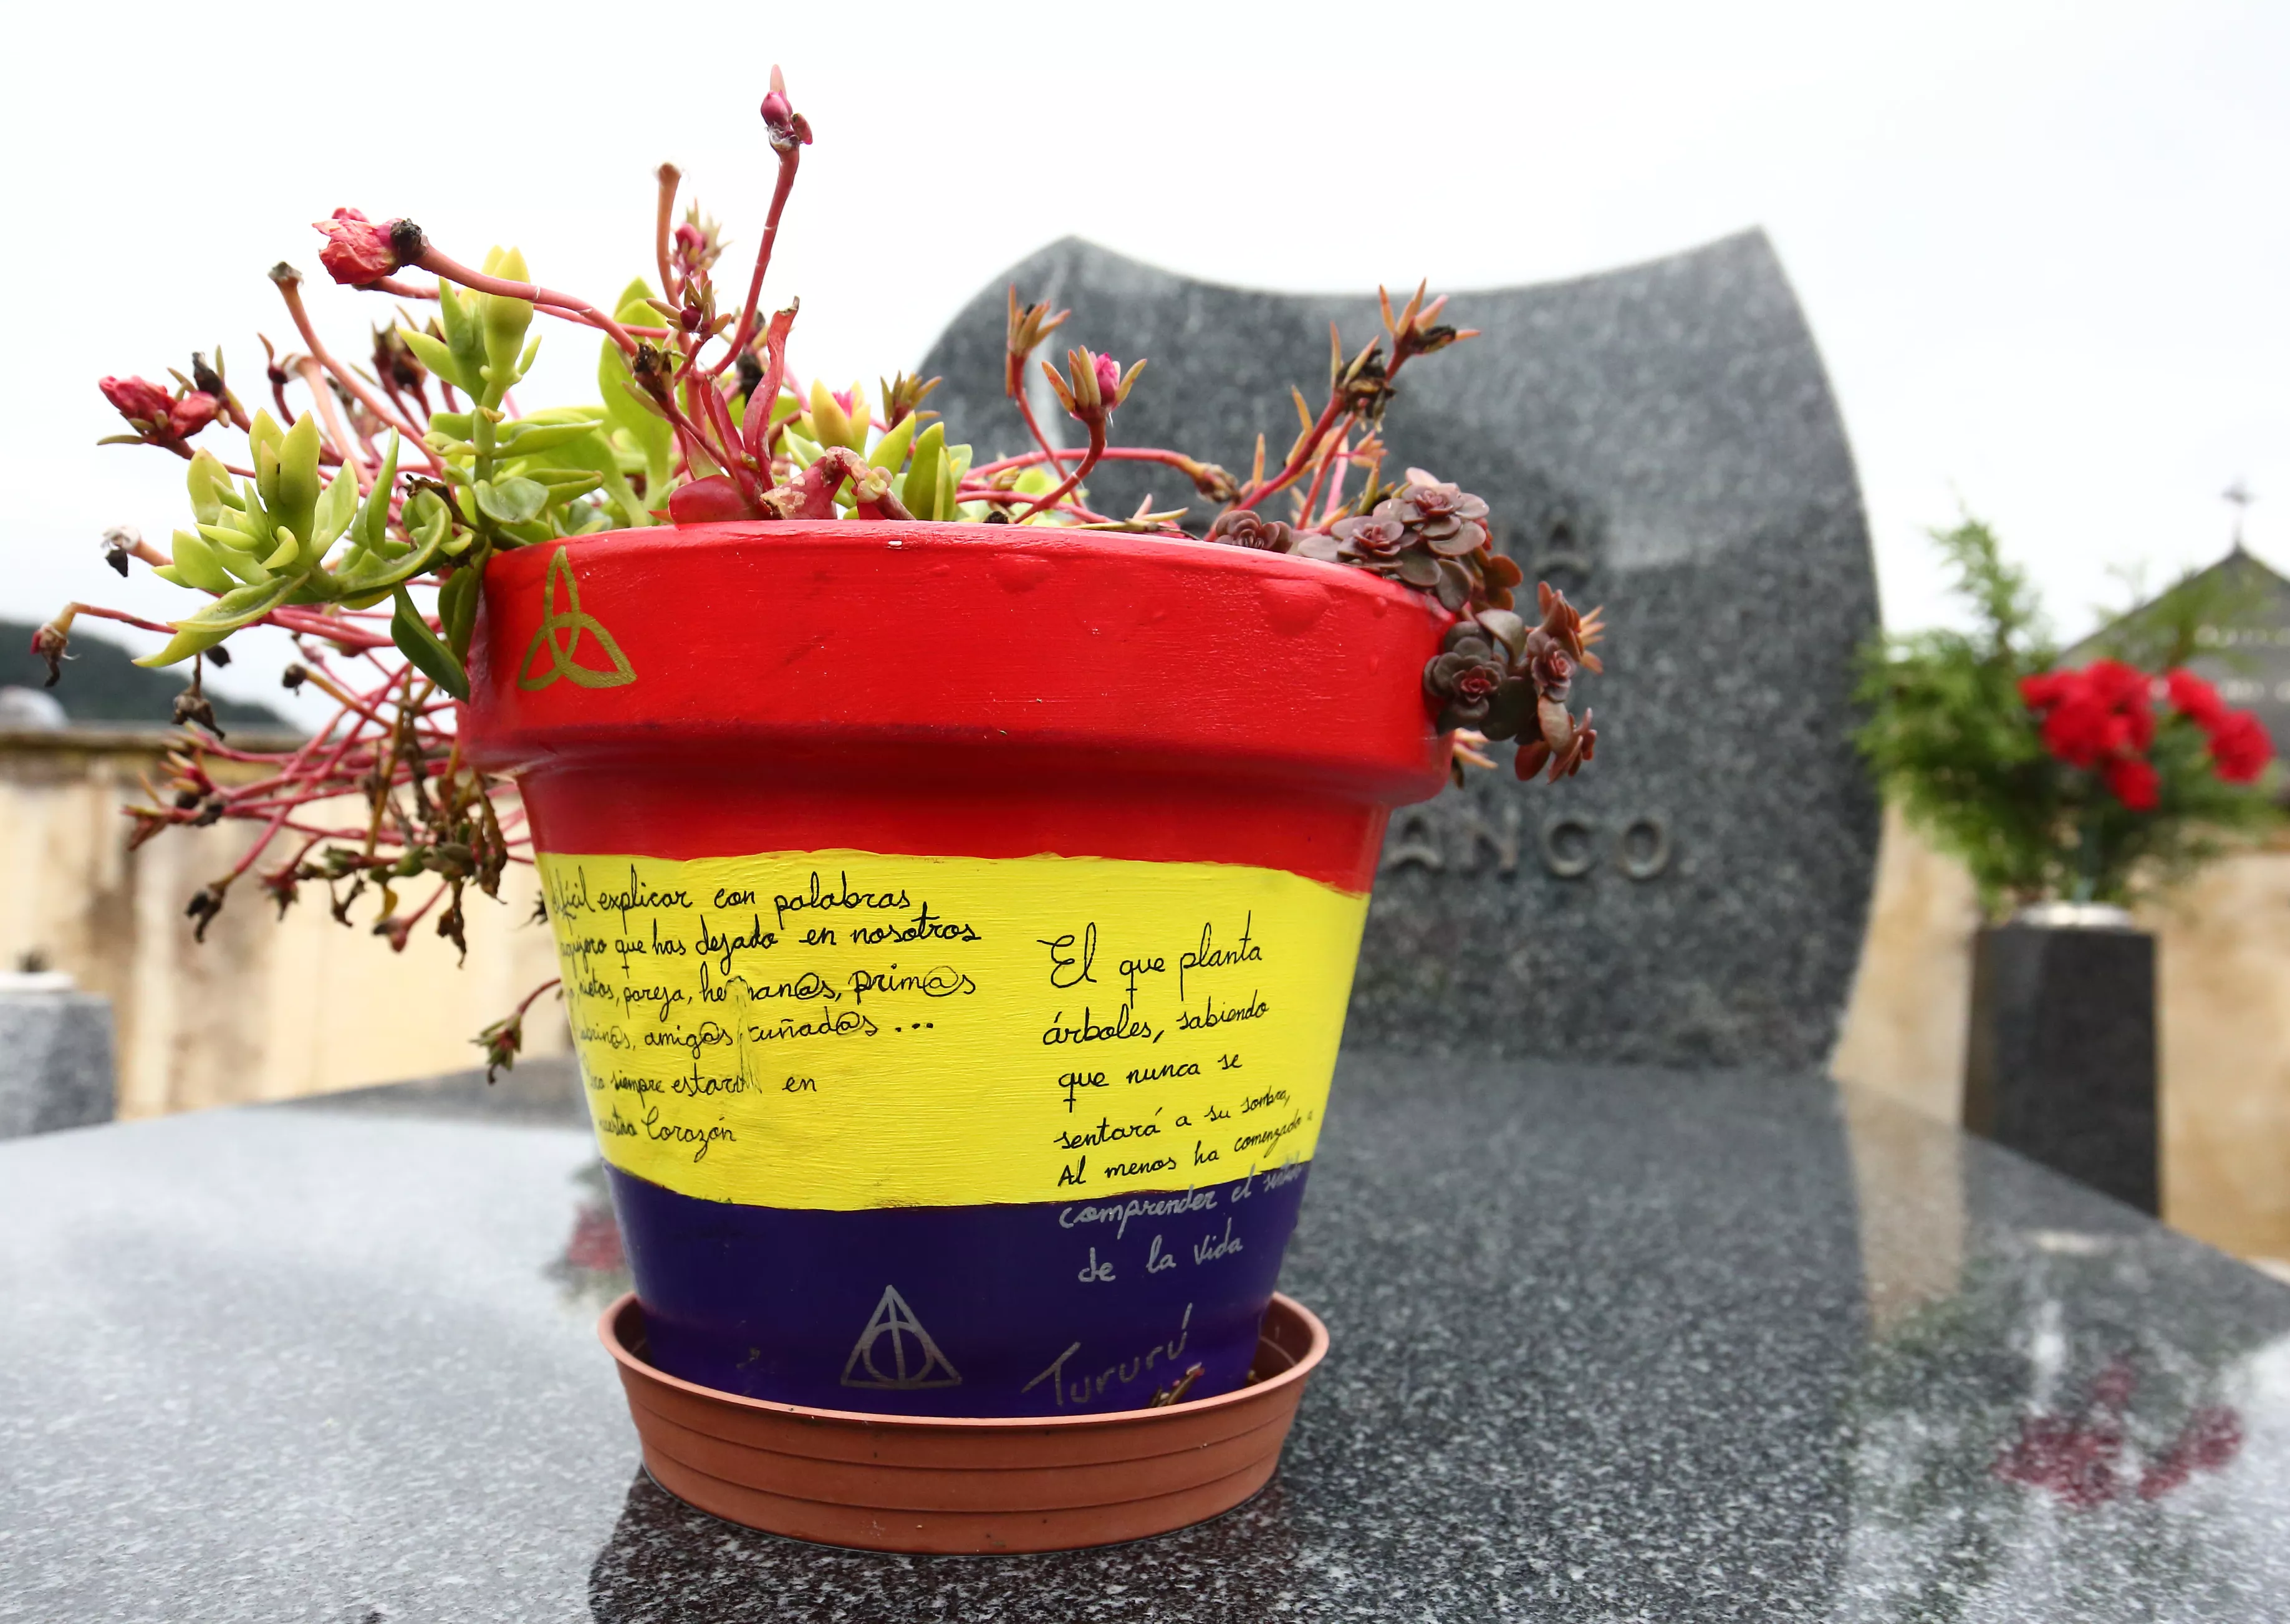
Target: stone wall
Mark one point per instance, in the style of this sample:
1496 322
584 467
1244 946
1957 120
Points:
2223 954
241 1016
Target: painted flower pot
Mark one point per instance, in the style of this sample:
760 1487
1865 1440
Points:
957 924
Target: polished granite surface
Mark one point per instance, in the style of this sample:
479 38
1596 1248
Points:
1608 1345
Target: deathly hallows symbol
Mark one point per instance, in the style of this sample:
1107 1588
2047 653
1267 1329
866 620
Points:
564 657
910 1358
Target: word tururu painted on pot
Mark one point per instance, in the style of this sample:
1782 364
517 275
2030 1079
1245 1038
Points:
953 1135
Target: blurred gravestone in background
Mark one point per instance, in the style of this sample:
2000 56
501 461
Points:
55 1055
1659 439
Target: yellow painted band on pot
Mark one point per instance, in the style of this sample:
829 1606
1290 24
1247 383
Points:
850 1029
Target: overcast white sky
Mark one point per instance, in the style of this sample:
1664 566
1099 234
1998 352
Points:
2043 246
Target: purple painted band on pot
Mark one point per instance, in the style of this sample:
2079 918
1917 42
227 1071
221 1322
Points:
1039 1308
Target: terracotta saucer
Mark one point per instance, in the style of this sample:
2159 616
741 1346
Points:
900 1483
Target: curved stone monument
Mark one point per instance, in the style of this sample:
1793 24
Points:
1660 439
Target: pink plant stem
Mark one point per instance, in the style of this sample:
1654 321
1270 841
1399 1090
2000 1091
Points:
533 996
122 617
312 624
785 184
1034 428
314 379
1297 463
1319 478
663 221
290 289
1111 453
261 843
533 293
1096 449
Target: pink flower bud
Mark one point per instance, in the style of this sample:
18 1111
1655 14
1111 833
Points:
787 128
192 414
1109 377
357 251
138 399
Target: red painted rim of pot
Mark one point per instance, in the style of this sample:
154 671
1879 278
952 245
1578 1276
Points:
839 660
608 1333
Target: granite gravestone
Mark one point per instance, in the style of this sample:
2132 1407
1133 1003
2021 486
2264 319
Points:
55 1055
1662 440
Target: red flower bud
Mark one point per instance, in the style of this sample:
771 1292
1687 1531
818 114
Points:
138 399
787 128
357 251
192 414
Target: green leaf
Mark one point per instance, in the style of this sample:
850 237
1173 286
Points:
372 575
457 606
335 510
372 526
440 359
240 606
288 550
505 320
511 502
196 565
921 492
891 449
414 639
231 552
957 465
209 484
298 478
527 439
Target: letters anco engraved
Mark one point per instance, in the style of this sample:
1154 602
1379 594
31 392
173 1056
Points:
1570 845
563 658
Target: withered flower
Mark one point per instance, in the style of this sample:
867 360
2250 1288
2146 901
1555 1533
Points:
1210 480
902 395
1029 326
205 903
394 362
192 706
359 252
52 643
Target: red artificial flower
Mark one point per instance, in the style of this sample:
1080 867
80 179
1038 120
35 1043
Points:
357 251
2134 781
138 399
2083 734
2240 748
2093 715
2194 699
2045 689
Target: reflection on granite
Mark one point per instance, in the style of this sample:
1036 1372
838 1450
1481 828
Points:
1608 1344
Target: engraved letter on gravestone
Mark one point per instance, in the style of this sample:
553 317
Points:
1660 439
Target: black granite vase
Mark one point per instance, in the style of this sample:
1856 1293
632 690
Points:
2060 1062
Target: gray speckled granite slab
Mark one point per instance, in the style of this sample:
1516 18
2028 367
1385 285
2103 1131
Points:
1609 1344
1660 439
